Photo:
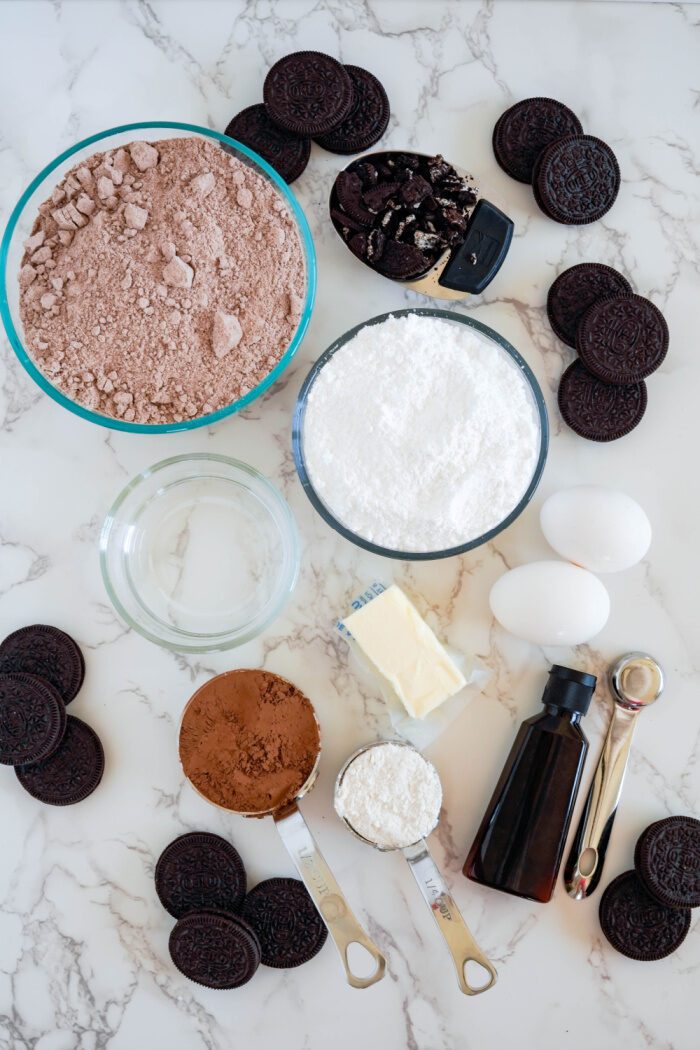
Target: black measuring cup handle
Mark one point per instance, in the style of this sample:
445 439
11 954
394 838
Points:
477 260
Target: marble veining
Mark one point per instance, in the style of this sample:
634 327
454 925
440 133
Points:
83 940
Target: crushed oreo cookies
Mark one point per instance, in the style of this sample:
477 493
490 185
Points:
398 212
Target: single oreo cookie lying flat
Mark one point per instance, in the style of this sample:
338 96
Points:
308 93
576 180
200 871
636 924
667 859
287 153
47 652
367 120
286 922
623 339
596 410
32 719
575 291
524 130
214 949
72 772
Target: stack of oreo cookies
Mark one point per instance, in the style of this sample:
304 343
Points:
309 95
621 338
575 177
58 758
222 933
645 913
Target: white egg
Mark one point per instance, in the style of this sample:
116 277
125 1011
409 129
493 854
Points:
550 603
596 527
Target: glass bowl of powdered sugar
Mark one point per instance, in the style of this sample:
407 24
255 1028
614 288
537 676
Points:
156 277
420 434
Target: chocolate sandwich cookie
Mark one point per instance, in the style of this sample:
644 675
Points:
623 339
576 180
638 925
575 291
215 950
596 410
524 130
287 924
72 772
32 719
47 652
286 152
308 93
199 871
367 120
667 859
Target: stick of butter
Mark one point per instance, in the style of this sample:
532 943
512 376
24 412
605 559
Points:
403 649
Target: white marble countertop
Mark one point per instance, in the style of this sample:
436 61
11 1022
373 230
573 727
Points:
83 939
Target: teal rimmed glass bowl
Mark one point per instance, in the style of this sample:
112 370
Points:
24 214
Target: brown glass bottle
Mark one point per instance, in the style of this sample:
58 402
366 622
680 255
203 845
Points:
519 846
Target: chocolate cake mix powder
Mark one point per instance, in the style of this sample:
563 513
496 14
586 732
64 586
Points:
161 282
249 741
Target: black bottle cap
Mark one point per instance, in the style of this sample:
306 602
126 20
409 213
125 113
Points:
569 690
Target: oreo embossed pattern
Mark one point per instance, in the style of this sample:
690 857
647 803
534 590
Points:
222 935
58 758
310 95
621 339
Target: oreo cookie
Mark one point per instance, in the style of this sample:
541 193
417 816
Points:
667 859
214 949
638 925
596 410
72 772
524 130
48 653
287 153
576 180
575 291
200 871
32 719
367 120
308 93
622 339
286 922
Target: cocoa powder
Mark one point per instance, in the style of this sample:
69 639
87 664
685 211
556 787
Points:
249 741
161 282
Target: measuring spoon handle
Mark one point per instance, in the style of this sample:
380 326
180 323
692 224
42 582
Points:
584 866
328 896
458 937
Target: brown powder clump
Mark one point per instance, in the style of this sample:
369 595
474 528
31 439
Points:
161 281
249 741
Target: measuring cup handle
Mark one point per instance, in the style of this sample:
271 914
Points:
458 937
327 896
584 866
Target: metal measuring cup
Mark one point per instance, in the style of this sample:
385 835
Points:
338 917
636 681
468 267
459 940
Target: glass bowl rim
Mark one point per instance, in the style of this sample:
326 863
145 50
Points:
285 522
16 341
462 548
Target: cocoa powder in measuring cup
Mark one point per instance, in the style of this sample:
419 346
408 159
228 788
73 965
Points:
249 741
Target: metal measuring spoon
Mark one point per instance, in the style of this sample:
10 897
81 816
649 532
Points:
636 681
459 940
318 878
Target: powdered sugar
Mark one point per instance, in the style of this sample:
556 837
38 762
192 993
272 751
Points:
150 291
390 795
419 435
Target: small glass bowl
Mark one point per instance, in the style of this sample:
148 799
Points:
19 228
199 553
500 345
